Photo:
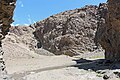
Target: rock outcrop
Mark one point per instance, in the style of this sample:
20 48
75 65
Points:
23 34
108 34
6 14
21 43
70 32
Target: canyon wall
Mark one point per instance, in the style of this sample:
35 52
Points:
6 14
108 33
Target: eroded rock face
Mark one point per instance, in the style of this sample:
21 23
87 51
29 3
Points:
109 31
70 32
21 43
6 14
23 34
100 38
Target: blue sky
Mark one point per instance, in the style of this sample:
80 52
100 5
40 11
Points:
30 11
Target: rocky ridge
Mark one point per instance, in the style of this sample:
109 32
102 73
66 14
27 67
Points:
71 32
21 43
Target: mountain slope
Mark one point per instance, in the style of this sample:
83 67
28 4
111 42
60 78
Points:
71 32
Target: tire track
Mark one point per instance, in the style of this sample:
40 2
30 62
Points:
19 76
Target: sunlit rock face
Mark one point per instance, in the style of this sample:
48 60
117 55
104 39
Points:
71 32
108 33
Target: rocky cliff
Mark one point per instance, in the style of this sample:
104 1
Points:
71 32
6 14
108 33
